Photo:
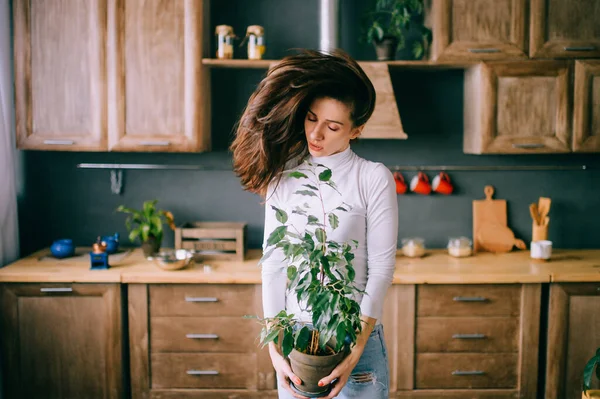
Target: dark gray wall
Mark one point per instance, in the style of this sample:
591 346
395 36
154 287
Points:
59 200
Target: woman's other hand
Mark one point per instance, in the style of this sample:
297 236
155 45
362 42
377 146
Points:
284 371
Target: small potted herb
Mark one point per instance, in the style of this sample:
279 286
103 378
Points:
147 225
387 27
321 276
588 372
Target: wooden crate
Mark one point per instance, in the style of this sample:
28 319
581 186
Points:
213 240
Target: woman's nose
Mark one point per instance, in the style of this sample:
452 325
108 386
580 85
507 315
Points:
317 133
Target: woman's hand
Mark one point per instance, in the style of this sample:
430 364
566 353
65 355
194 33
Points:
283 370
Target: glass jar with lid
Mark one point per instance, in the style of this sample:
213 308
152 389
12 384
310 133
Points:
460 247
413 247
225 38
256 42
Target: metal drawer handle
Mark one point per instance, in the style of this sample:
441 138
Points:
200 299
464 372
66 289
469 299
484 50
528 146
202 336
156 143
468 336
59 142
587 48
202 372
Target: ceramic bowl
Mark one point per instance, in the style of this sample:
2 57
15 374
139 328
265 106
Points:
62 248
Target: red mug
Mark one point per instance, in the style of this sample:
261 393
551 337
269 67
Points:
441 184
420 184
400 183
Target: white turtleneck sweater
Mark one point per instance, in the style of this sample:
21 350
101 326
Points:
369 188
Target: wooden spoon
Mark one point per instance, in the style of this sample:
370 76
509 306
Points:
533 211
543 208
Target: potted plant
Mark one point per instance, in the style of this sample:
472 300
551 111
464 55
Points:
588 372
388 24
321 276
147 225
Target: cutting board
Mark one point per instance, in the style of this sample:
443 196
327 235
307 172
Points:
487 212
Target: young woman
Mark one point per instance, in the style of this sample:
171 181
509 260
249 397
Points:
312 105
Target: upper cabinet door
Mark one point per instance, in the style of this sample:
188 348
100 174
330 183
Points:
517 108
478 29
155 76
586 107
565 29
60 61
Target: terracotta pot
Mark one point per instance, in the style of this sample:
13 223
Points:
386 48
591 394
150 246
310 369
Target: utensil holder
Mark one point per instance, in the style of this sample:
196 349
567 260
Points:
539 233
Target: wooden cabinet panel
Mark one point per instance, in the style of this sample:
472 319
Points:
479 29
437 371
203 334
60 69
155 76
62 341
565 29
517 108
203 300
468 300
573 326
467 334
586 107
218 370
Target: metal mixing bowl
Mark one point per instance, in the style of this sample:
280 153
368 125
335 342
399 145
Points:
172 259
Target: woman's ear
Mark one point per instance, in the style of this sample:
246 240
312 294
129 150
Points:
357 131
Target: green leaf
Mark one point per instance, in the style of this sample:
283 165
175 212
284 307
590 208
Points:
311 187
266 255
288 343
325 175
145 232
351 273
306 192
299 211
340 335
133 234
302 338
291 272
297 175
340 208
588 371
313 220
320 234
277 235
280 214
333 221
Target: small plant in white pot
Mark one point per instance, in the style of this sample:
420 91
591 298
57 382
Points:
321 277
588 372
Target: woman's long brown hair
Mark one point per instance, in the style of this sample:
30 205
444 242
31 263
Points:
270 132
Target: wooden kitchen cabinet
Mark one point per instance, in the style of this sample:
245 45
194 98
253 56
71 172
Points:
62 341
517 108
586 107
565 29
573 326
192 341
156 83
60 69
479 29
459 341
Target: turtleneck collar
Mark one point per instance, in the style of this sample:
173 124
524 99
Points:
333 161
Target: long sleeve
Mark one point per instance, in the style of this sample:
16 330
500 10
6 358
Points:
274 277
382 237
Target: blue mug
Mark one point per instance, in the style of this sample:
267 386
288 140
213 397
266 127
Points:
62 248
112 243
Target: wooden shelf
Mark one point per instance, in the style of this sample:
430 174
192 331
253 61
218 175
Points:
265 64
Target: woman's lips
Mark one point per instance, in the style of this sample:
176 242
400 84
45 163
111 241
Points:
314 147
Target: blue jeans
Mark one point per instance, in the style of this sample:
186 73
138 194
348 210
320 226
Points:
370 377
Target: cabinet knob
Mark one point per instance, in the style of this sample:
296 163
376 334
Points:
469 299
468 336
155 143
64 289
202 372
584 48
59 142
529 146
202 336
484 50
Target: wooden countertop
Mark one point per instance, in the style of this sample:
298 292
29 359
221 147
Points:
435 268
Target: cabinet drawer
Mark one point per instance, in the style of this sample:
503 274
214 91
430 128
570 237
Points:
439 371
468 300
203 300
206 370
203 334
467 334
